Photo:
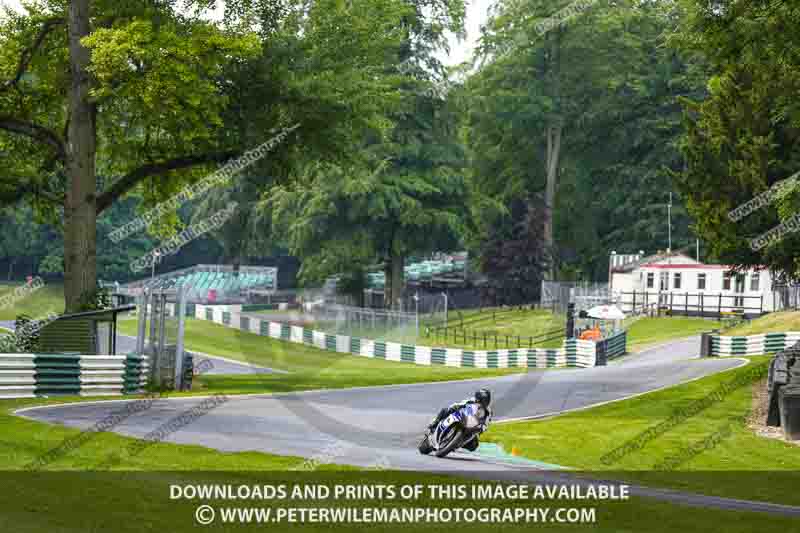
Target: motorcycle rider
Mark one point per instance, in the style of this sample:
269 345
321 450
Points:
482 397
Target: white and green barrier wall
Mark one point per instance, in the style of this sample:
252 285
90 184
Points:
752 344
574 353
30 375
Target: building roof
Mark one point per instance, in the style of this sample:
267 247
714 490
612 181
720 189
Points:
651 260
697 266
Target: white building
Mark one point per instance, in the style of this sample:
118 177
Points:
689 287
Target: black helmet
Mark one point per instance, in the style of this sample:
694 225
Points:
484 397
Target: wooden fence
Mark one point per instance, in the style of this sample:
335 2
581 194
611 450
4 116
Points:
692 304
491 339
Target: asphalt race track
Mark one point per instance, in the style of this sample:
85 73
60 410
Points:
380 426
362 425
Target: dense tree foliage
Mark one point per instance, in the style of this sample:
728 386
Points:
744 136
514 255
586 115
560 143
408 195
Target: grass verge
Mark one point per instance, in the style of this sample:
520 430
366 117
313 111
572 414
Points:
581 439
475 329
647 331
135 497
35 304
780 322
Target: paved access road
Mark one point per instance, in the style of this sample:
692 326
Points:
382 425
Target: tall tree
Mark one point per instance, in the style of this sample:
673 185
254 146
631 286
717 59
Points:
408 194
584 114
139 91
743 137
513 255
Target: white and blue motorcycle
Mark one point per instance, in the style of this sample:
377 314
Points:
455 431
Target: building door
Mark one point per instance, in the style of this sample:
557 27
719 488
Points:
738 301
663 288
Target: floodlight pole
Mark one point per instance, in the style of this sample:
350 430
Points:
669 224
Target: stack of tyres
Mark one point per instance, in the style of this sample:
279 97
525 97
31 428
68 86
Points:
789 400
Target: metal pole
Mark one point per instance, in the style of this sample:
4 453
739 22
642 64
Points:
181 304
416 311
156 256
610 270
162 334
141 331
669 223
445 308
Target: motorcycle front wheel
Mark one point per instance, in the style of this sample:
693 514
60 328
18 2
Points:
424 446
452 444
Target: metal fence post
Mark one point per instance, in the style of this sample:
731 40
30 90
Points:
181 305
142 324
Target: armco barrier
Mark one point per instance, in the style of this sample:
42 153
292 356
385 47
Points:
753 344
30 375
574 353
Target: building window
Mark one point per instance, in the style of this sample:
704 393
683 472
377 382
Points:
676 280
650 280
664 281
726 281
701 282
754 281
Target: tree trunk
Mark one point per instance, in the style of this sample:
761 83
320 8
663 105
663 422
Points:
80 212
398 279
554 131
553 155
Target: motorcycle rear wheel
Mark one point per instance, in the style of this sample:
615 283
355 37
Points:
454 443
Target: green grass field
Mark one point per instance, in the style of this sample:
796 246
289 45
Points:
486 329
649 331
309 367
780 322
35 304
490 328
581 438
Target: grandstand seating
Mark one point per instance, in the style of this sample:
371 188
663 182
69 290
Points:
221 281
423 271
